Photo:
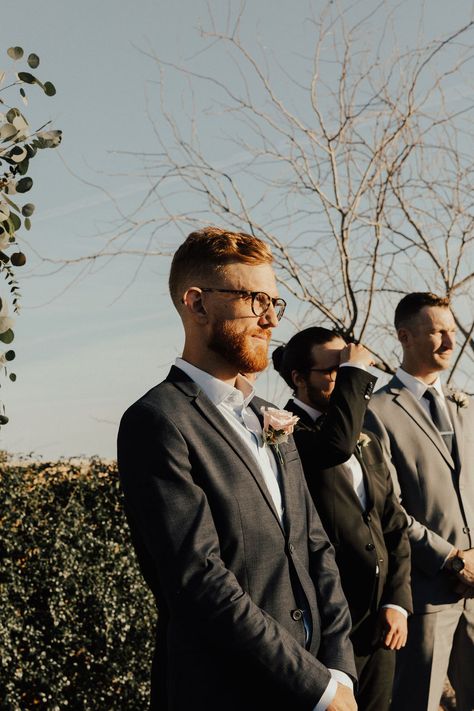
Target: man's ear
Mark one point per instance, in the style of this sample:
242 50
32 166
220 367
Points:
297 378
403 335
192 300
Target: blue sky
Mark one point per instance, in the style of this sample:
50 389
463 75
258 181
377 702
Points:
86 345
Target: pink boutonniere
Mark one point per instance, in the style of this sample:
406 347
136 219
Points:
277 425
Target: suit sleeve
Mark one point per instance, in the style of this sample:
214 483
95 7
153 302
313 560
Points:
429 550
335 440
397 588
169 512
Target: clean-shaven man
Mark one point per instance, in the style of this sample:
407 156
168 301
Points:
251 614
428 432
352 489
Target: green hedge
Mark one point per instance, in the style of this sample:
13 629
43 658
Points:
76 620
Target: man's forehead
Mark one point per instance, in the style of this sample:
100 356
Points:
329 352
253 277
436 315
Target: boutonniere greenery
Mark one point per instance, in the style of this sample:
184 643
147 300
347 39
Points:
363 440
459 398
277 426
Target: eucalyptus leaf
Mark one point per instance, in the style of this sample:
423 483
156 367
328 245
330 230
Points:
23 166
27 210
12 377
7 131
27 78
11 203
3 418
8 335
49 88
33 60
17 154
24 184
10 355
12 114
27 223
15 220
15 52
18 259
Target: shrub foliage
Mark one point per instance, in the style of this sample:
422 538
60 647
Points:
76 621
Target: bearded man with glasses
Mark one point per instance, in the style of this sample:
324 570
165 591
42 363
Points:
251 613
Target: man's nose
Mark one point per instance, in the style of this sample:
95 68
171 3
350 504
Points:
449 339
269 318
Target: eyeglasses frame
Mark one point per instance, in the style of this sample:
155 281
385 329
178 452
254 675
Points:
279 304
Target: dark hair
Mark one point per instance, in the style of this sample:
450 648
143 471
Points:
411 304
296 355
204 253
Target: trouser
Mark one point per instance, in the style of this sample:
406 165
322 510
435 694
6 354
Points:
439 644
375 668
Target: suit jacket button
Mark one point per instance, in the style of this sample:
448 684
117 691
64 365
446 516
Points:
370 547
291 548
367 518
296 614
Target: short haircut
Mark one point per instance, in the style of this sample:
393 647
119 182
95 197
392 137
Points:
296 355
411 304
204 254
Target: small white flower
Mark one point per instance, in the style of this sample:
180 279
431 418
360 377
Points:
460 398
363 440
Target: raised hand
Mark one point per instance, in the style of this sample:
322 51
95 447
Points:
355 354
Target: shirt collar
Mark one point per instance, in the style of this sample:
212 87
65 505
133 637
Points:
311 411
216 390
416 386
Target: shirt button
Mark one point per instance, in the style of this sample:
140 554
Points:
369 547
296 614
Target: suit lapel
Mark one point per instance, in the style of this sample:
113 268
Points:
457 426
404 398
218 422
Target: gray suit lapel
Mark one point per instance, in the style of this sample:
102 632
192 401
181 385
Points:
404 398
457 426
210 413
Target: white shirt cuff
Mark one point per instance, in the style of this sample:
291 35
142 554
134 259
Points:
326 699
397 607
352 365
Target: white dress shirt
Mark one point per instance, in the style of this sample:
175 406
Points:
418 388
233 404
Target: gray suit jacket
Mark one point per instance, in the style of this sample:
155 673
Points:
438 496
229 580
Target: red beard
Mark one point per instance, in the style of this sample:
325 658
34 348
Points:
239 348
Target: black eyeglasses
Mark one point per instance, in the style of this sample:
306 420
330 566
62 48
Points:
260 300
